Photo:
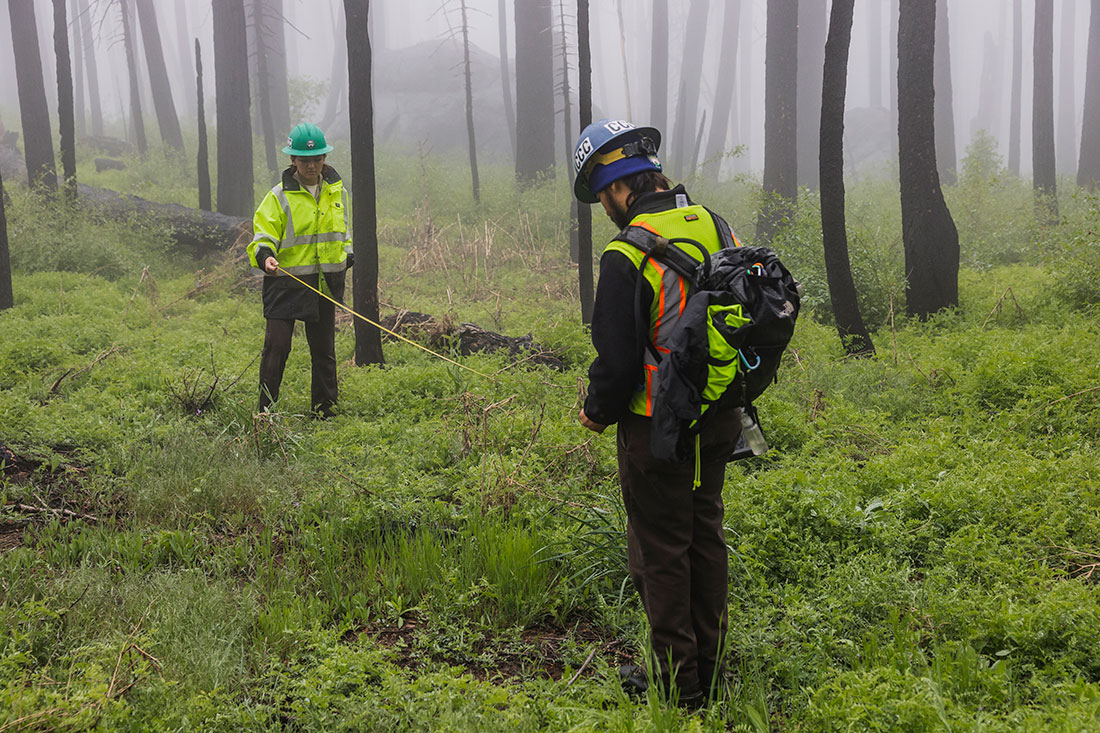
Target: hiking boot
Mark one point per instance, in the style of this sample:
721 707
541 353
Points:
634 680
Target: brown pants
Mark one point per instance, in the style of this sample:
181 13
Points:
321 336
677 548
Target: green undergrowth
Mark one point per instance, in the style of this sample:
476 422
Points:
915 552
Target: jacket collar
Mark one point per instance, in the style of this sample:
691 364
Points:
290 183
649 203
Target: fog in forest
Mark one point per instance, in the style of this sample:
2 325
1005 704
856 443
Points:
419 88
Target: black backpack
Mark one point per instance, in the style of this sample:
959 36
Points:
769 297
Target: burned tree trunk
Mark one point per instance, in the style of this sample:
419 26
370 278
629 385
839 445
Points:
584 213
658 67
78 71
780 123
368 340
687 101
167 119
929 236
506 74
263 90
34 113
534 90
7 298
834 235
1017 86
90 63
811 59
203 158
723 95
65 98
137 120
1088 165
945 110
470 137
235 195
1044 176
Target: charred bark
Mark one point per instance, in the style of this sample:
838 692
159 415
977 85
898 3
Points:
78 72
723 95
441 333
163 104
1044 176
1088 164
34 112
945 109
586 288
203 155
65 98
811 59
90 63
470 137
506 74
1017 86
780 120
658 68
235 194
7 298
534 90
136 117
930 239
834 235
368 341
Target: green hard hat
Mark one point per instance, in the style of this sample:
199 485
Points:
306 140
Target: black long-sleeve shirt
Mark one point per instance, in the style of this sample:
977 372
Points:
616 373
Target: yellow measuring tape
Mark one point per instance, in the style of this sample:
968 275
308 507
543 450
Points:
383 328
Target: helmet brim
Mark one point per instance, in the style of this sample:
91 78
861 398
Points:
308 153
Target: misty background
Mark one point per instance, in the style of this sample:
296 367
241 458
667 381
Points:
418 85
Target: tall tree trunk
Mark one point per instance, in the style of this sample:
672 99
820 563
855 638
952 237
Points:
658 67
945 108
1088 165
780 119
584 213
90 63
274 36
811 59
687 102
506 74
929 236
65 98
165 107
874 52
534 90
1044 177
1066 139
263 90
567 129
1017 85
203 161
235 194
834 235
470 138
723 95
7 297
34 112
368 339
337 91
136 118
78 69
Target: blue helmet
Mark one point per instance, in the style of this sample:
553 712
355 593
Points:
608 150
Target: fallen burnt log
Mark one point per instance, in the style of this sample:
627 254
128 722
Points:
202 232
468 337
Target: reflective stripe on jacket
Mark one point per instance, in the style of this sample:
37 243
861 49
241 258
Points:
306 235
670 290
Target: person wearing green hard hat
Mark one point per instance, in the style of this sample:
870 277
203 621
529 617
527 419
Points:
302 228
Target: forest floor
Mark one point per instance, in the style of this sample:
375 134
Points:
917 550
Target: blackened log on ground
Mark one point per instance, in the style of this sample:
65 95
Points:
108 164
441 333
201 232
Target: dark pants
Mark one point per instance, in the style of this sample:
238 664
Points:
321 336
677 548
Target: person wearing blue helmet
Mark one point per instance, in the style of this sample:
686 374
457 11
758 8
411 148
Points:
675 541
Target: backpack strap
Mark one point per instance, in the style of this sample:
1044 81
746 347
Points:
725 233
657 246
